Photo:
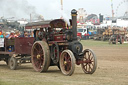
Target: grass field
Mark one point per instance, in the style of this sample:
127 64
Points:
112 69
93 43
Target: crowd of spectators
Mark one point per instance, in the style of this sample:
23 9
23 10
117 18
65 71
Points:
13 34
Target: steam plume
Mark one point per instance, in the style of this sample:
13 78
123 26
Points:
16 8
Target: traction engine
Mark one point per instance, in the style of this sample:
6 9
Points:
61 48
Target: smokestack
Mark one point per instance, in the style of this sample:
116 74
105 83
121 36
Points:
74 23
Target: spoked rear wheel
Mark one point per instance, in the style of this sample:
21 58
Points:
67 62
40 56
90 62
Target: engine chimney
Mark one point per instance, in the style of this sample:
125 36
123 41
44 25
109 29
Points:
74 23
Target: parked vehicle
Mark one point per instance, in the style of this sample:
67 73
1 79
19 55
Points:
118 36
82 33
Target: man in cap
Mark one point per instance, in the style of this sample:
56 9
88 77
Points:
11 35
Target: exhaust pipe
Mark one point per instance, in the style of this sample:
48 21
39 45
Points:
74 23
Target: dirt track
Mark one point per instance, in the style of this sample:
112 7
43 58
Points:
112 69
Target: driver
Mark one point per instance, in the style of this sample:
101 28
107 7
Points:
41 34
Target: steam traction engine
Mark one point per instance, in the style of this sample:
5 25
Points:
118 35
60 47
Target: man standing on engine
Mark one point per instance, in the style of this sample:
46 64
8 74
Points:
41 34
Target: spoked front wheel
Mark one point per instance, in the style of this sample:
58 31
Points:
67 62
89 64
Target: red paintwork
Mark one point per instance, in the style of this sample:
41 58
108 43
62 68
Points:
79 34
58 37
23 45
78 62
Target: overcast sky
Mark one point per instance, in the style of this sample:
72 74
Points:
51 9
